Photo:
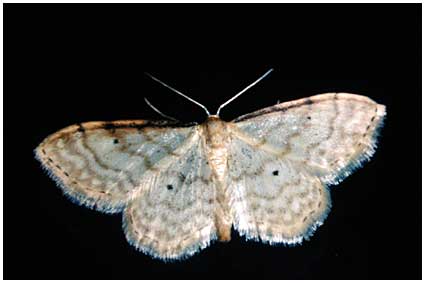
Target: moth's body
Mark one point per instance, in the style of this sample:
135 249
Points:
217 138
179 187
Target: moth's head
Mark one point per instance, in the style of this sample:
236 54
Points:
213 118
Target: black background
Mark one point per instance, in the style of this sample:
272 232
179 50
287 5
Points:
71 63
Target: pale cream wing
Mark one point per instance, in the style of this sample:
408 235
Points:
173 215
281 158
332 134
273 199
99 164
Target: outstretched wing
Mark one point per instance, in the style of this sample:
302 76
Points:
282 158
173 215
274 199
330 133
99 164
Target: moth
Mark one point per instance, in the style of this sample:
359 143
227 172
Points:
181 186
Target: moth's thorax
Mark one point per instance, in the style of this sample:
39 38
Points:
216 139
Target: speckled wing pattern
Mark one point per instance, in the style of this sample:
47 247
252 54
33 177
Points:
172 216
101 164
282 158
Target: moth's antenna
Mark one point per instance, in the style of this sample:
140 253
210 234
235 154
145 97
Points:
178 92
242 91
159 112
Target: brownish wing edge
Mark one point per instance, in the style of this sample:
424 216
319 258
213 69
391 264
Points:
112 125
282 107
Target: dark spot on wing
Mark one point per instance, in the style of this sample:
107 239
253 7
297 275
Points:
169 187
110 127
309 101
81 128
276 172
182 177
116 141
